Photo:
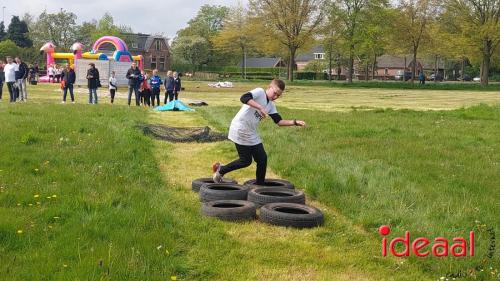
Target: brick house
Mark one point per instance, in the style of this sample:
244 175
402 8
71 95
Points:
154 48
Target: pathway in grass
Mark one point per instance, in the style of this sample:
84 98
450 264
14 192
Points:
253 251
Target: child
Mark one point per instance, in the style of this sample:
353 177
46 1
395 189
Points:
258 104
145 90
155 82
169 87
112 86
177 85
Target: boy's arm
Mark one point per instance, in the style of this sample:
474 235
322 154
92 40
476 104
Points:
281 122
248 100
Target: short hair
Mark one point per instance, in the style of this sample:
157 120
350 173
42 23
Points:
91 64
279 83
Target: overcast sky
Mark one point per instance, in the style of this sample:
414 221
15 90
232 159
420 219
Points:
163 16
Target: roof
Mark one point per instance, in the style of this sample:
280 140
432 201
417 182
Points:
388 61
261 62
143 41
309 55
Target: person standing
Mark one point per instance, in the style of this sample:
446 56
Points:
10 78
93 83
169 87
145 90
133 75
2 78
155 83
112 86
68 78
177 85
21 77
50 72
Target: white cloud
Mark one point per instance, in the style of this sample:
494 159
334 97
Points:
165 17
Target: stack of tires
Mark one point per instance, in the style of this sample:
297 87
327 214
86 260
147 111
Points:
278 202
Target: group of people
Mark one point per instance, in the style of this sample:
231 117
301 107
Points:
54 72
14 73
145 87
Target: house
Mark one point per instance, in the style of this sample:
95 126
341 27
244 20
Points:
389 66
262 63
154 48
316 53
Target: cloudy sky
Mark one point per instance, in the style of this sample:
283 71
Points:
163 16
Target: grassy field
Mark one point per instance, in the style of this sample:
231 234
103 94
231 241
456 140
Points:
84 195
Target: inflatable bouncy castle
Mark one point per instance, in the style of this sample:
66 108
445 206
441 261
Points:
121 54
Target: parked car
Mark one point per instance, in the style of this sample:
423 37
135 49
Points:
464 78
438 78
399 75
476 79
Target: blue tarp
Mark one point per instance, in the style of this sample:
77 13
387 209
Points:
175 105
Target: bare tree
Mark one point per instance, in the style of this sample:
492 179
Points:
295 22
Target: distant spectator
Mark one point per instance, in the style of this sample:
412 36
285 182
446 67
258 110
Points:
68 79
169 87
2 78
133 76
145 90
10 78
112 86
421 78
21 77
93 83
155 83
177 85
50 72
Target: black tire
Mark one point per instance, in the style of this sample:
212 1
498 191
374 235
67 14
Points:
197 183
291 214
223 191
270 183
265 195
230 210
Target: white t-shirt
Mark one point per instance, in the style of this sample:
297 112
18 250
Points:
50 70
112 80
243 129
10 72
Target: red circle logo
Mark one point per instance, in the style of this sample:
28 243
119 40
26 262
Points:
384 230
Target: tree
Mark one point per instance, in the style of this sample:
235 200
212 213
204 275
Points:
348 16
58 28
479 21
294 21
193 49
410 27
237 36
207 23
84 32
3 34
17 32
8 48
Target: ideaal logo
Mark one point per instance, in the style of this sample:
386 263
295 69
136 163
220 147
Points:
460 247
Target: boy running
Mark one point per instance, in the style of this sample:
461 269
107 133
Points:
257 105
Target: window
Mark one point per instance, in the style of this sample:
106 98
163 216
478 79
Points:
386 71
134 45
162 63
158 45
319 56
153 62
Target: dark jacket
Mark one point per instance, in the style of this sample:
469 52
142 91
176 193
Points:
134 77
169 84
69 77
177 84
23 71
92 78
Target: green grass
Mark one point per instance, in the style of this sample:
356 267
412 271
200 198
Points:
94 199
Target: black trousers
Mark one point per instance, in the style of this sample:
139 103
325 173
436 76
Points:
246 153
146 97
112 92
12 91
136 92
155 95
169 96
65 90
1 89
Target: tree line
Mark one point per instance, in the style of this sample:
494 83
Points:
348 30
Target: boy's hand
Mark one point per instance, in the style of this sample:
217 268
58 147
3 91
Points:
263 112
300 123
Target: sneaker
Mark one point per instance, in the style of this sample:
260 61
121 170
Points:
63 102
73 102
217 177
